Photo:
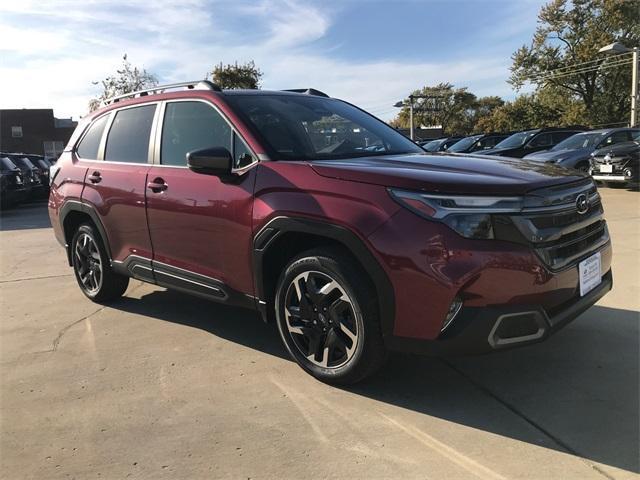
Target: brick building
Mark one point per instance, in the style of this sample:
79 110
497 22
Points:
34 131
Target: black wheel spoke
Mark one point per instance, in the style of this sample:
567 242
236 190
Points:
88 263
320 319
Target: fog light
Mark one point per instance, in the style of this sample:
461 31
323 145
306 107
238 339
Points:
454 309
628 173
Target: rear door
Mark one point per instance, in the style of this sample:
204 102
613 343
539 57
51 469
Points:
116 183
200 225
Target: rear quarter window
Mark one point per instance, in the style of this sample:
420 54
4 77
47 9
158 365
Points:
90 143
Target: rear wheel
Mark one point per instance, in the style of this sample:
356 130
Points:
328 318
91 266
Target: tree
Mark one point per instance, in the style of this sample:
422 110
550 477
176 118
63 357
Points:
567 40
229 76
126 80
456 110
444 106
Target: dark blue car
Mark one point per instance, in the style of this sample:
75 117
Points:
575 151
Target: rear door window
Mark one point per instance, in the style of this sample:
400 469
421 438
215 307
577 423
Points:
128 139
190 126
89 145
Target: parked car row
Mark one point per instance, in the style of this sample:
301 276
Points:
570 147
23 177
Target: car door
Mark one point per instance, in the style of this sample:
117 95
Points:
200 225
115 185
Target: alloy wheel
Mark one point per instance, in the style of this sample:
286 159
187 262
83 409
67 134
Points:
88 263
321 319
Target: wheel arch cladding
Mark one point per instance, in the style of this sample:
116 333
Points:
285 237
72 215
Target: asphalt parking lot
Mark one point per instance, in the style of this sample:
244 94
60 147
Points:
163 385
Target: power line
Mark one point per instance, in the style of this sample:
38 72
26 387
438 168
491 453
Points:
553 75
581 65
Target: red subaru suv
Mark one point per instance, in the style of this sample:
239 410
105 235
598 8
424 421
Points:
327 221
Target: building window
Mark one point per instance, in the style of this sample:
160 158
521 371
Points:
16 132
53 149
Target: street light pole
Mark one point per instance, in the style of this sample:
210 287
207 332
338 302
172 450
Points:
615 48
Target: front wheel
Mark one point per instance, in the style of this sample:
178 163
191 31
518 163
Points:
328 318
92 269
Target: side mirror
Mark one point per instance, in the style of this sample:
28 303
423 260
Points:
210 161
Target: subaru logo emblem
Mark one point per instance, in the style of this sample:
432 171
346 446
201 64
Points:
582 203
607 158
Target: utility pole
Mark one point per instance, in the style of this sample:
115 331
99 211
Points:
411 132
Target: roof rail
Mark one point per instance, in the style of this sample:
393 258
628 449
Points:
307 91
196 85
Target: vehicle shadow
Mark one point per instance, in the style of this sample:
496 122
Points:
576 393
25 216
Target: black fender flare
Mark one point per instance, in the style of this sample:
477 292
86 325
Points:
83 207
285 224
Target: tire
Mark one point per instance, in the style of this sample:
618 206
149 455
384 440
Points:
92 267
328 318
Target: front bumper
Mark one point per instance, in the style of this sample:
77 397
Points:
611 178
479 330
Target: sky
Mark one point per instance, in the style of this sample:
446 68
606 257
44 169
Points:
372 53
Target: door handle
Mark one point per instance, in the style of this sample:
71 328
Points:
158 185
95 177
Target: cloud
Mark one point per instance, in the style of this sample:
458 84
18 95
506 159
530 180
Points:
52 51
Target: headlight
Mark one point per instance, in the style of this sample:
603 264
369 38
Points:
469 216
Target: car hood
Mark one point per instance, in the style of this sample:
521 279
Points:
448 173
555 155
499 151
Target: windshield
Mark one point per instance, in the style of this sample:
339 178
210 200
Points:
306 127
636 136
26 162
6 164
516 140
434 145
464 144
580 140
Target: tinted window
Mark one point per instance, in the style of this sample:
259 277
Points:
618 137
307 127
6 164
542 140
490 142
516 140
89 145
560 136
242 156
463 144
128 139
26 163
190 126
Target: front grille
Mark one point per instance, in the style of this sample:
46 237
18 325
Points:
552 225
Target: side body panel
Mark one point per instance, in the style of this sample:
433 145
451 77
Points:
203 224
67 185
119 200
